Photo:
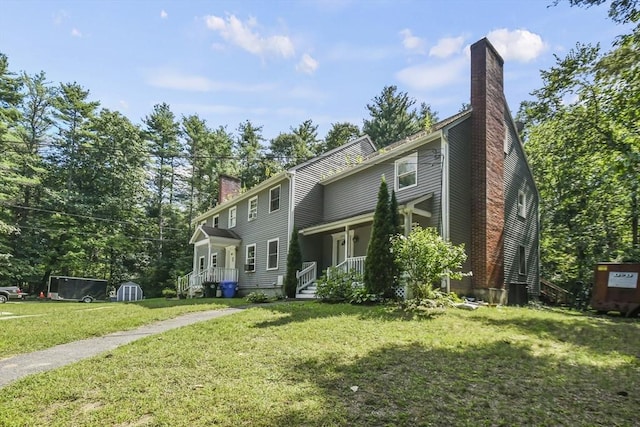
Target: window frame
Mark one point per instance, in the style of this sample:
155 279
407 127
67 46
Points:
410 159
214 261
279 187
522 260
252 213
277 254
233 217
246 258
215 221
201 264
522 207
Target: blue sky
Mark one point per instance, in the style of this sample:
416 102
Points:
278 63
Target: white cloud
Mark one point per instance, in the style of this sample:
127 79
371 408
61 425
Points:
170 79
307 64
517 45
446 47
429 76
76 32
164 14
245 36
411 42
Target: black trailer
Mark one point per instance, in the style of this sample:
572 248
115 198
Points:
64 288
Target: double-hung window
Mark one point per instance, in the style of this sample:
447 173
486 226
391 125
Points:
253 209
522 204
522 260
272 254
232 217
216 221
201 264
214 260
250 258
407 172
274 199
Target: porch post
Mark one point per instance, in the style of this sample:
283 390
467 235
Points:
208 259
408 219
347 243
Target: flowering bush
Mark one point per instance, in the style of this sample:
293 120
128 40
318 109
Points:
425 259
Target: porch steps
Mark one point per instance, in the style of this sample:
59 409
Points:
308 293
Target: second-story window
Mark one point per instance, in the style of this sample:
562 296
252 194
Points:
253 208
274 199
407 172
216 221
232 217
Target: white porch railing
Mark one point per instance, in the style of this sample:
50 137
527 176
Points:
191 283
306 276
354 263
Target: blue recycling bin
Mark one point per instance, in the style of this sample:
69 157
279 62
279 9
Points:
228 289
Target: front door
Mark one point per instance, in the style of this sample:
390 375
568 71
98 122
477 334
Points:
339 251
230 257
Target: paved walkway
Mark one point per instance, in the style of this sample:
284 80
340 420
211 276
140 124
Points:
20 366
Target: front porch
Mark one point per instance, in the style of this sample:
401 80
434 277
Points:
308 275
193 284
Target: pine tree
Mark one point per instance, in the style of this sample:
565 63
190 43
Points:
294 264
379 267
397 229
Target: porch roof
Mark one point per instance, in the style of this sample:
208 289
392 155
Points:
366 217
215 235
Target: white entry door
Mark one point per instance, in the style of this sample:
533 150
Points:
230 257
339 252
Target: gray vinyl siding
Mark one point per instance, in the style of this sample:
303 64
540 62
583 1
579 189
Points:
309 195
518 230
358 193
267 226
459 138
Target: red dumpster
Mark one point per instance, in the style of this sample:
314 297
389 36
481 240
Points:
616 288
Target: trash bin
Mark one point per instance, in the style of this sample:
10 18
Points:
228 289
210 290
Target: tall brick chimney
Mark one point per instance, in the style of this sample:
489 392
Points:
487 167
228 187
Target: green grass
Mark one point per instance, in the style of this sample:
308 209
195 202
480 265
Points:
48 323
299 364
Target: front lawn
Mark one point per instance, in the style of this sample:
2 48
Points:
320 365
35 325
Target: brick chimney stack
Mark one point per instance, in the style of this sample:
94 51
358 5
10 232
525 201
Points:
228 187
487 166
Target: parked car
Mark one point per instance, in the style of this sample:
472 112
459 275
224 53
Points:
10 292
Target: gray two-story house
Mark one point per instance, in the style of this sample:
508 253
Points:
468 177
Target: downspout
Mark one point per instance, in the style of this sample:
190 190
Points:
444 198
292 205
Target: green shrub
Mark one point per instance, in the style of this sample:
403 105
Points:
257 297
426 258
169 293
337 285
436 302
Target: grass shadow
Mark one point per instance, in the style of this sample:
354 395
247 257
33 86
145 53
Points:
293 312
505 385
598 334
